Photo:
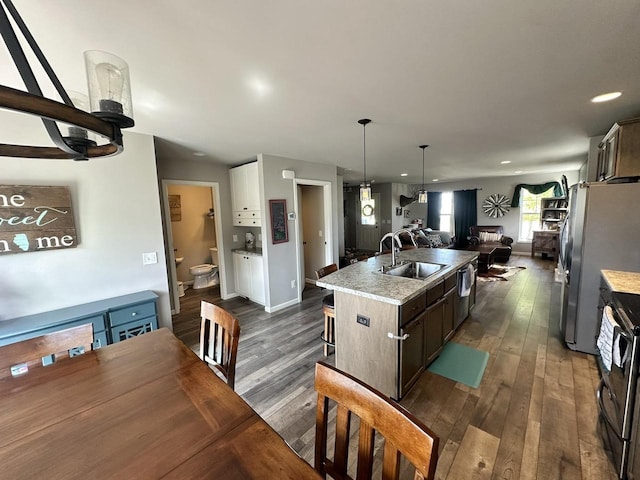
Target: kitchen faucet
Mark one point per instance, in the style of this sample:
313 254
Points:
395 235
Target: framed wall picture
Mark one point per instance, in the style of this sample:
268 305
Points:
278 212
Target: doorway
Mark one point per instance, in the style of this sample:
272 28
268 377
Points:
314 249
194 232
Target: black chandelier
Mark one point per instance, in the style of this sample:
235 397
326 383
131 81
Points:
109 100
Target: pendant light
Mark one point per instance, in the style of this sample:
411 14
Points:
109 106
422 194
365 187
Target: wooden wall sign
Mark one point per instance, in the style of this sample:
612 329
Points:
34 218
175 210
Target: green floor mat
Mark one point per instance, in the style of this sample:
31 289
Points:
461 364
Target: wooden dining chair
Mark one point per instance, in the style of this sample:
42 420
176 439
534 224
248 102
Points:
18 358
403 433
219 337
328 336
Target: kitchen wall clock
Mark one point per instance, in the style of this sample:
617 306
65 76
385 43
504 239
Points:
496 205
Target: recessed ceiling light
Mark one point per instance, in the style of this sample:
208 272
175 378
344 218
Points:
504 162
198 154
605 97
404 174
434 180
518 171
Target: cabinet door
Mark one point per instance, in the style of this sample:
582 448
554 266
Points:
252 186
412 353
243 274
433 331
448 315
257 279
238 188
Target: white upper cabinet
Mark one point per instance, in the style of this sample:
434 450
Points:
245 195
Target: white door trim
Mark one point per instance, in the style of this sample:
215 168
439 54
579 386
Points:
170 255
328 231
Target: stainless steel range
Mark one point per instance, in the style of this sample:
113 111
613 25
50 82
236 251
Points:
618 391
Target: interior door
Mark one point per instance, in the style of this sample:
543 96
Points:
313 234
368 223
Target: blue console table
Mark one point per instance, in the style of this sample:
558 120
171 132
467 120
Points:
114 319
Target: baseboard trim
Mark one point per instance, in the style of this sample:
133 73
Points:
281 306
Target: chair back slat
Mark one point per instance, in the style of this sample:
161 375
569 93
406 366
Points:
219 337
28 354
402 432
326 270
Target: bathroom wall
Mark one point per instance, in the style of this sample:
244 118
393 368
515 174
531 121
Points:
195 232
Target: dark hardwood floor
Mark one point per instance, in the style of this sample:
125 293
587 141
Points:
533 417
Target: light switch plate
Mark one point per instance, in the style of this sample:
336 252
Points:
149 258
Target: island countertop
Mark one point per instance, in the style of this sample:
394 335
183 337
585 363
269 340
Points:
366 280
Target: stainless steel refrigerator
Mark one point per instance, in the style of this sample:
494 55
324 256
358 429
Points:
601 232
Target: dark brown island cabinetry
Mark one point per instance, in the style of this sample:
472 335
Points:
389 346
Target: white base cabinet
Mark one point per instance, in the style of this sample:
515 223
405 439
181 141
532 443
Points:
249 272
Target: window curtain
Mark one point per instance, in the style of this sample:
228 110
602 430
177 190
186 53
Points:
465 215
535 190
434 200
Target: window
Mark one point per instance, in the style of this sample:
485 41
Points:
446 212
530 213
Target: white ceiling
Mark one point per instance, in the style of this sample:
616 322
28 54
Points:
481 82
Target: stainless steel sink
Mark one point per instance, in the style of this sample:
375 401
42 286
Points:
419 270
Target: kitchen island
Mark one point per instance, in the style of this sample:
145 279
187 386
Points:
389 328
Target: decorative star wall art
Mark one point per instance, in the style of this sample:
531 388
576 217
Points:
496 205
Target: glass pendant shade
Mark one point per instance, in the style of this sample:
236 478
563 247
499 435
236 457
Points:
365 192
422 196
109 87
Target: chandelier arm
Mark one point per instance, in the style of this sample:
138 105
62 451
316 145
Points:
53 153
21 101
51 111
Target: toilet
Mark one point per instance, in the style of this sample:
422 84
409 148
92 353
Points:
205 275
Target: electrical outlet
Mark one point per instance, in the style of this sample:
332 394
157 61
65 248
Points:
362 320
149 258
235 238
293 284
320 233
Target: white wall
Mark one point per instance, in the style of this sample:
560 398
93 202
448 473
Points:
281 266
117 217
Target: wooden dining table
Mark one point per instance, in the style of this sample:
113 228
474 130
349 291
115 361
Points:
144 408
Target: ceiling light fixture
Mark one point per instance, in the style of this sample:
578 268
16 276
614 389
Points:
365 187
109 100
606 97
422 194
504 162
404 174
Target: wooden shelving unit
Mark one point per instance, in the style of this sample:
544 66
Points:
553 212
